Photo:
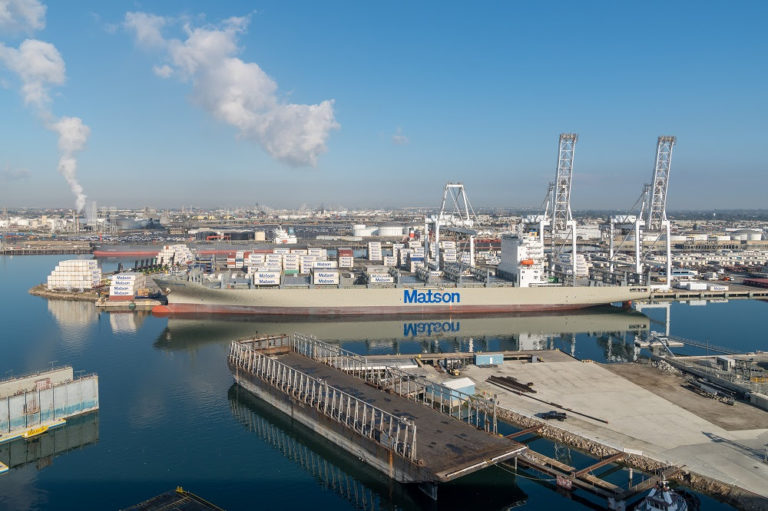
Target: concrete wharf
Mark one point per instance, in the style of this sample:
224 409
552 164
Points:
735 291
411 429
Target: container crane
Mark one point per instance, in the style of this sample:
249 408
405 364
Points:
557 204
456 214
652 216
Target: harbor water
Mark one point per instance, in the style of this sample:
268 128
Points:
170 416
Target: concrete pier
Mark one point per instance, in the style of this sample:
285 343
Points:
719 448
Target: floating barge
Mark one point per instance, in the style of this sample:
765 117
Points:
177 500
409 428
34 404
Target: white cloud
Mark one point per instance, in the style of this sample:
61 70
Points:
39 65
21 16
164 71
237 92
146 28
398 138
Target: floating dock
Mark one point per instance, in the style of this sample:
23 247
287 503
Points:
38 402
409 428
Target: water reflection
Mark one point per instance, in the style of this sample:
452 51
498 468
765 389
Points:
126 322
75 434
614 328
361 486
74 319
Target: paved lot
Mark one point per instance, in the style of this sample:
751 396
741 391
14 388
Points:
740 416
638 419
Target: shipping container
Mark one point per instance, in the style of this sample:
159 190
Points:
489 359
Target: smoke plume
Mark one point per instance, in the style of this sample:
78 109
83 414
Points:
39 66
72 137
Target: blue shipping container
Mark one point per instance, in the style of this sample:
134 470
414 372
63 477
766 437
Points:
489 359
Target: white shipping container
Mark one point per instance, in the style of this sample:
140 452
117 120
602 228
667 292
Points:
267 282
380 278
318 252
325 264
325 277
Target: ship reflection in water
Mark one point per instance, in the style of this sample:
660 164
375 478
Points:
612 329
75 434
357 483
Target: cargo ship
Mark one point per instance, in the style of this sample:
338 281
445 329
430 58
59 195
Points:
518 284
189 297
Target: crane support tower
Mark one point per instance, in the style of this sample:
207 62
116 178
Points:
562 219
656 208
561 204
656 198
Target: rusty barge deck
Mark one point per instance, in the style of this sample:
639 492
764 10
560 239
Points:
412 430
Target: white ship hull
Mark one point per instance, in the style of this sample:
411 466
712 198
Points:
187 297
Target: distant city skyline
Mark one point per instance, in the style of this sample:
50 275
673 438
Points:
378 105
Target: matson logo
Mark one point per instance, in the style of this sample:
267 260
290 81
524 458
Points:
430 327
416 296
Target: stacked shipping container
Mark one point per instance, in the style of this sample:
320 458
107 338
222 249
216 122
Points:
75 274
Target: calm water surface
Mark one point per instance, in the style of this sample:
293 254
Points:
170 415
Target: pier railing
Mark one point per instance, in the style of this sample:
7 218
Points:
395 433
474 410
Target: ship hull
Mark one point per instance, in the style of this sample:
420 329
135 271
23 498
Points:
188 298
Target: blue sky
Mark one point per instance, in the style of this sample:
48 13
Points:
473 92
